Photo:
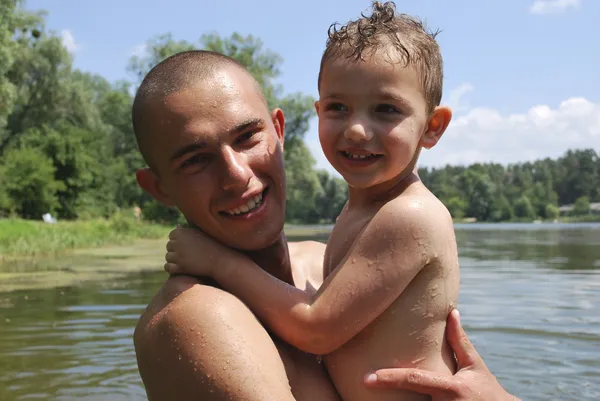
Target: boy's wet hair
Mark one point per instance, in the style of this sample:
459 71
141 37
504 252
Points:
170 76
385 29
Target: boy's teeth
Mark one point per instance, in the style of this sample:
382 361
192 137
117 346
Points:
352 156
250 205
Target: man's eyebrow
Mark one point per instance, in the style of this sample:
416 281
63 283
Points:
187 149
246 125
238 129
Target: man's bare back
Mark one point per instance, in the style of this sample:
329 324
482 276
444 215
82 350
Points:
410 333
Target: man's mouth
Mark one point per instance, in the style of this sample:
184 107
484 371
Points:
252 204
359 156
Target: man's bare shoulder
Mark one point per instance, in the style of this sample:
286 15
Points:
307 263
196 341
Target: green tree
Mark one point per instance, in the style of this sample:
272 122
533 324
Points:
524 208
551 212
29 183
501 209
331 200
582 206
457 207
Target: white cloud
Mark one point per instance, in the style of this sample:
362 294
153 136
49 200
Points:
485 135
68 41
140 50
553 6
455 99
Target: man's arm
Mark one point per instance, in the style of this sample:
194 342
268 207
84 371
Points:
383 260
198 342
472 382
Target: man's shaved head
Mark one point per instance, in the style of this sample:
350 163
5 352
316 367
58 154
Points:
170 76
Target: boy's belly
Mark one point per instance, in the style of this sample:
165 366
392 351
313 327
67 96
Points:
409 334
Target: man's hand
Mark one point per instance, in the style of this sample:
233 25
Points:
192 252
473 381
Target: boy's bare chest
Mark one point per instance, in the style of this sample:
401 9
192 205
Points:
347 227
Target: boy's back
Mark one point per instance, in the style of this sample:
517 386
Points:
410 333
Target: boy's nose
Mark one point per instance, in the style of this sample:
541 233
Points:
357 132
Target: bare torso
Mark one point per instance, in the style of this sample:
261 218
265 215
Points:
196 341
410 333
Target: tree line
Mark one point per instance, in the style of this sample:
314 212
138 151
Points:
66 140
67 145
522 191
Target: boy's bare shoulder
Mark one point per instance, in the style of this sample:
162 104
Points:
415 214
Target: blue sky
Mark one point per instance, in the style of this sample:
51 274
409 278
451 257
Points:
522 75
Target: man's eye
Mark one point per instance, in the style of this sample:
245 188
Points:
196 159
336 107
246 136
386 108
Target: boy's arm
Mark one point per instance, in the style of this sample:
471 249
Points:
383 260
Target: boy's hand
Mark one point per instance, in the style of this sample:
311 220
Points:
472 382
192 252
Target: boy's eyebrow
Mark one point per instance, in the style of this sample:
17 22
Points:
393 96
238 129
385 95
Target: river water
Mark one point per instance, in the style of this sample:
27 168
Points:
530 301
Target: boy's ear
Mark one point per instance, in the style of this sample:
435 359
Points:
317 106
438 122
151 184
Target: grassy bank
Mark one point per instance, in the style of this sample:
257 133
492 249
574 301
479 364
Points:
25 238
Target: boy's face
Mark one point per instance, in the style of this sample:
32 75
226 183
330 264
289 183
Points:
373 119
218 158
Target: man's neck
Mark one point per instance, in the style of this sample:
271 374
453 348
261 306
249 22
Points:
275 259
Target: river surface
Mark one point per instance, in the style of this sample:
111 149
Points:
530 301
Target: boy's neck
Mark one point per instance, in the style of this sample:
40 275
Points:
275 259
384 192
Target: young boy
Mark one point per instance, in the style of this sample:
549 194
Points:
391 263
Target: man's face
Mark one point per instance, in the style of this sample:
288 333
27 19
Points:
218 158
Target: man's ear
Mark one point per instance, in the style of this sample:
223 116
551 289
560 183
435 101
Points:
436 126
151 184
317 107
279 123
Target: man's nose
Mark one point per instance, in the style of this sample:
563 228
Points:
357 131
236 171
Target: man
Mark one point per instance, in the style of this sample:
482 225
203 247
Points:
214 151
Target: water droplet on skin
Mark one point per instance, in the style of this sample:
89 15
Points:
179 357
353 260
370 263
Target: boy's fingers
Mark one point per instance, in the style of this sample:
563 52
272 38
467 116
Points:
172 268
171 246
461 345
170 257
420 381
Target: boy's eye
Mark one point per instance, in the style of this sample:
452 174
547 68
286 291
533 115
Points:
336 107
386 108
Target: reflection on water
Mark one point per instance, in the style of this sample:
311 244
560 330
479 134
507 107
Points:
530 296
